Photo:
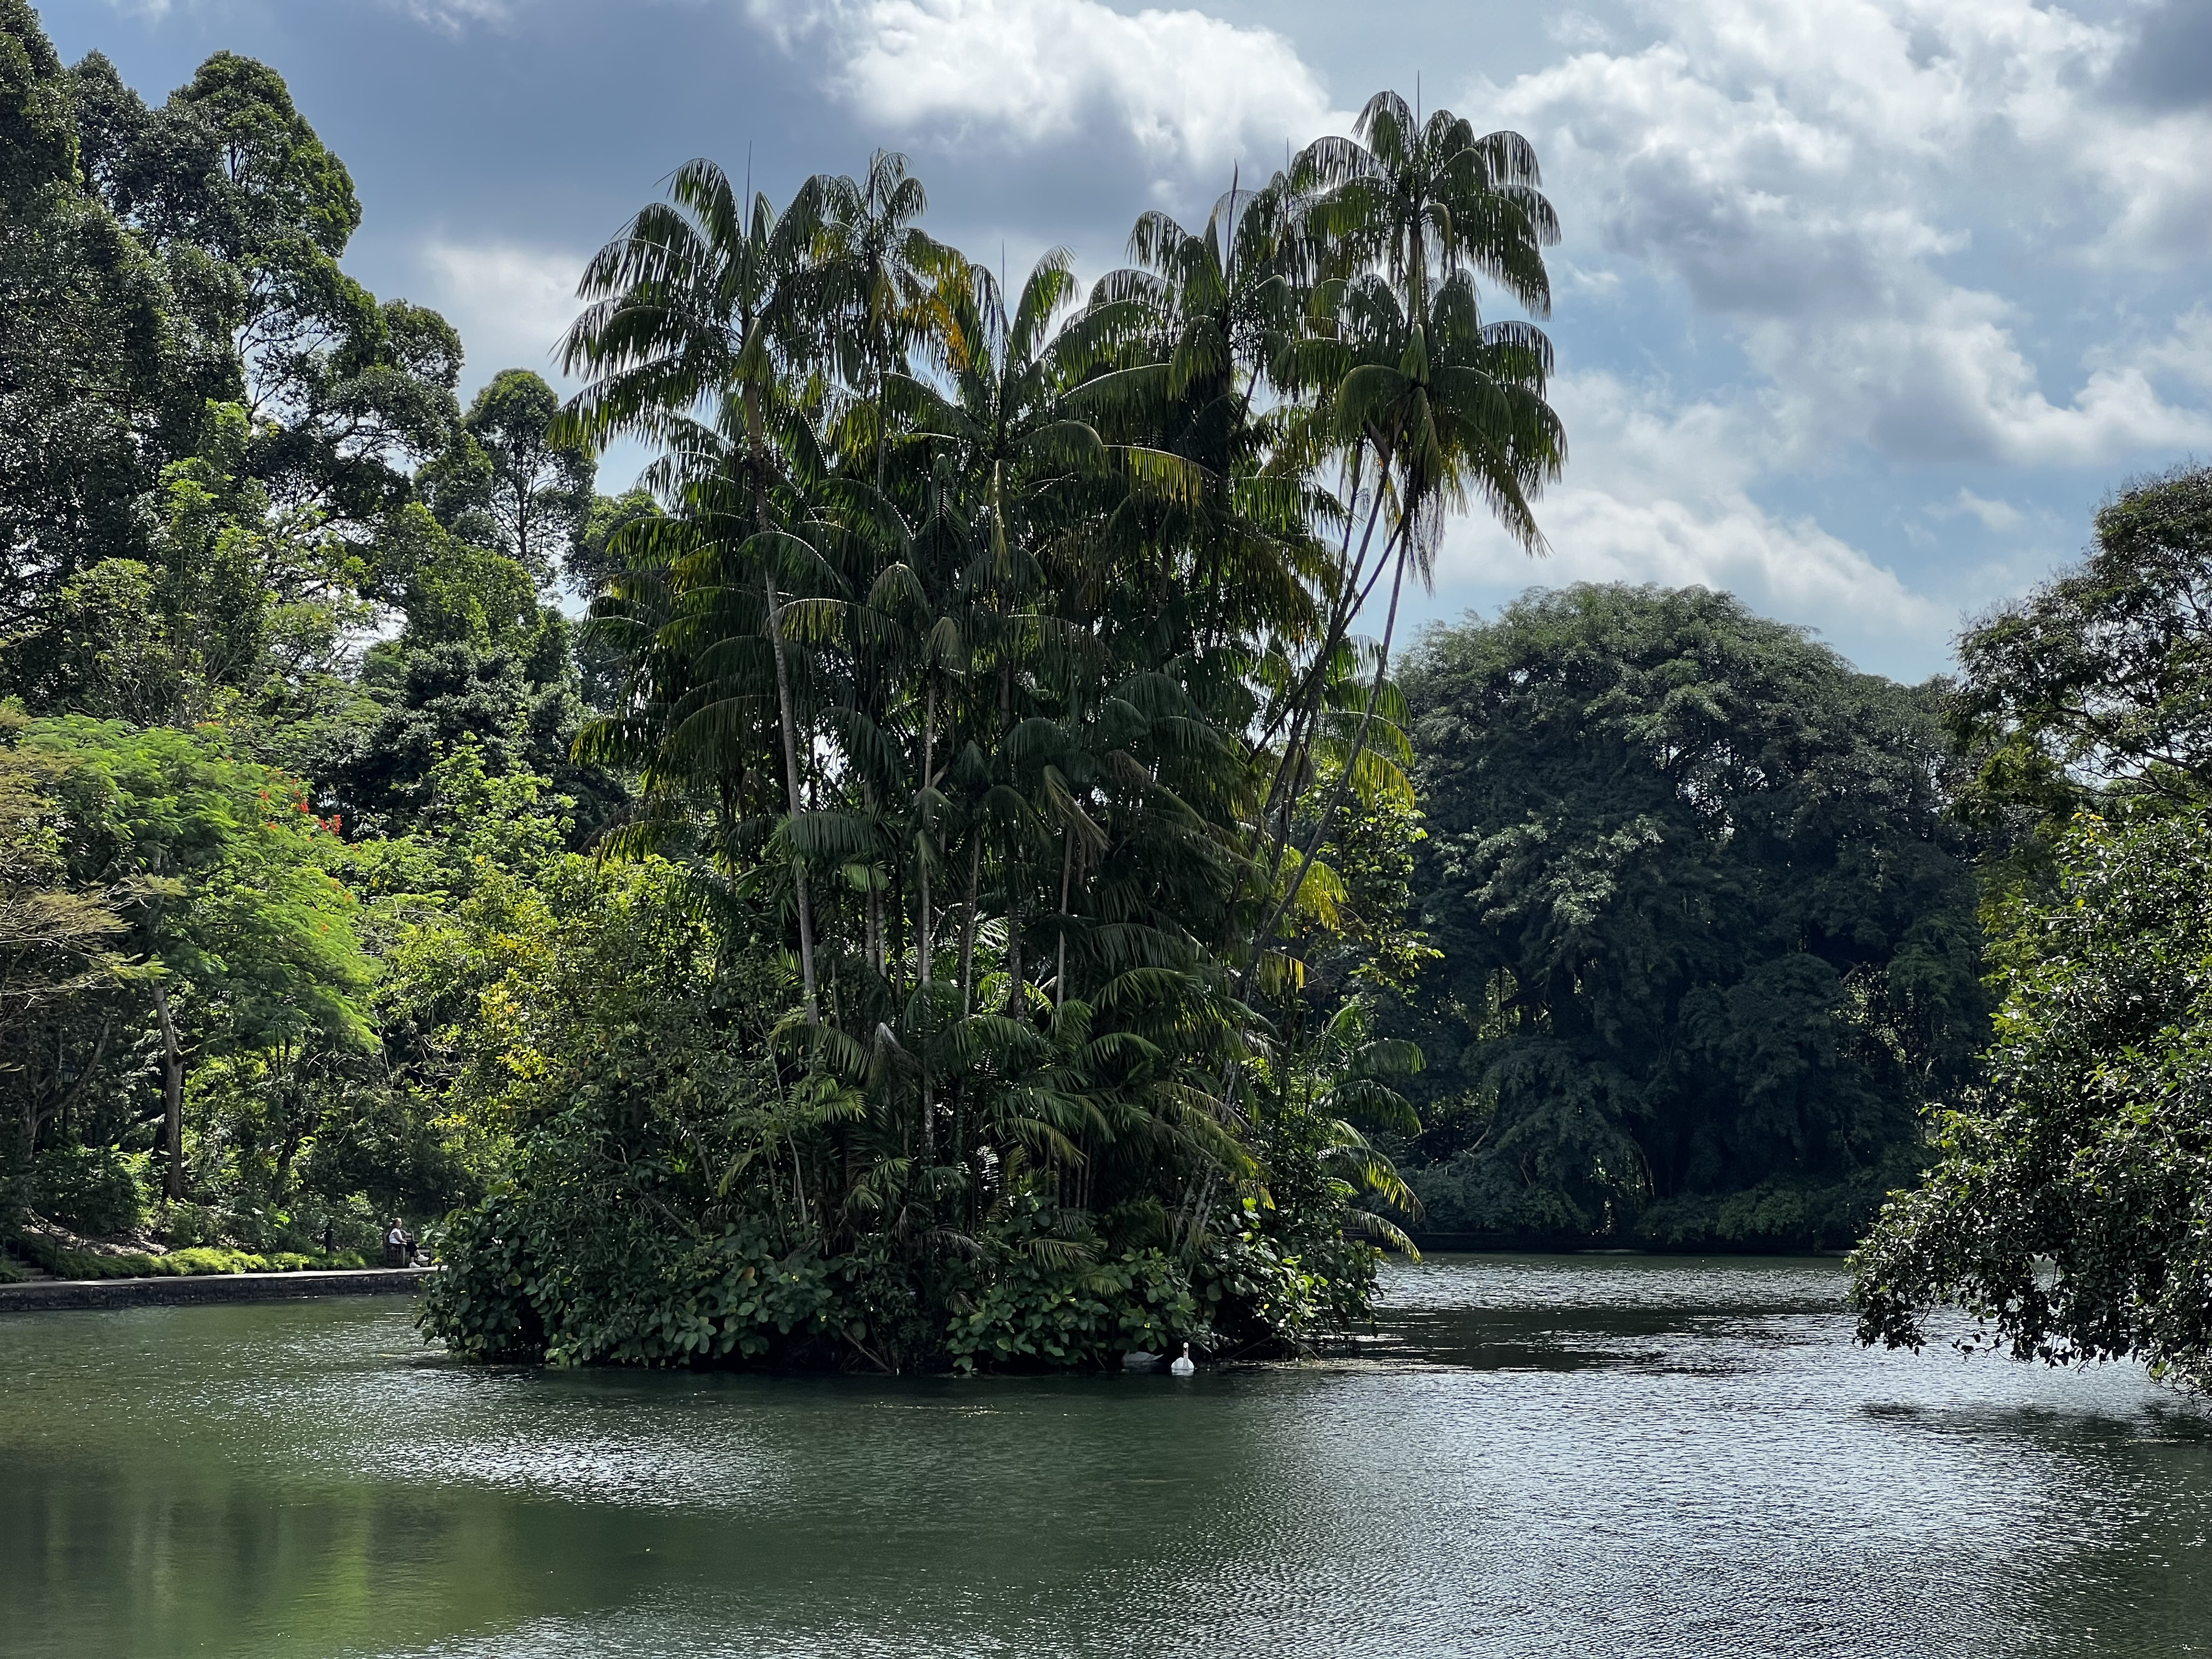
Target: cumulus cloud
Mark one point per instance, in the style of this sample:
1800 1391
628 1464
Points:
1191 91
1997 515
452 16
512 304
1661 492
1817 175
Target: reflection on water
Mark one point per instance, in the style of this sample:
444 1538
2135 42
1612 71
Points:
1561 1455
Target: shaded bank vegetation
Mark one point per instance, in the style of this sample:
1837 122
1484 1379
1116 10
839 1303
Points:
2068 1206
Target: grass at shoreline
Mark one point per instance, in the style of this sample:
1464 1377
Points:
87 1264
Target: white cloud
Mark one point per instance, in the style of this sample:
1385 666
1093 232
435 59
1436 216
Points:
1817 175
1993 515
452 16
1657 493
1193 92
2184 356
1942 378
512 304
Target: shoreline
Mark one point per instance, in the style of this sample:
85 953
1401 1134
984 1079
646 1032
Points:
52 1295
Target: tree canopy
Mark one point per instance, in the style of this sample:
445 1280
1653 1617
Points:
986 777
2067 1207
999 643
949 868
245 620
1707 942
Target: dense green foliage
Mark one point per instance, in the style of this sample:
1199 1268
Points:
2094 686
1707 943
2070 1204
2070 1207
970 895
270 603
994 654
978 761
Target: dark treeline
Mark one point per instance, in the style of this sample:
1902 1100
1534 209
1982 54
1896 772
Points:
1706 925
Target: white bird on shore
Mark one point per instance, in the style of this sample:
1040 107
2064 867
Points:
1182 1366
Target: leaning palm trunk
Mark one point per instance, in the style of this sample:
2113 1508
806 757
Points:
797 801
173 1097
1320 836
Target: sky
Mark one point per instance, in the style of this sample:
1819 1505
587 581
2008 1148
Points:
1862 305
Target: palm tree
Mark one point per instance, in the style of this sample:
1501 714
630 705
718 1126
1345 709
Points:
877 270
1017 633
1415 201
699 300
1428 407
1219 308
1003 422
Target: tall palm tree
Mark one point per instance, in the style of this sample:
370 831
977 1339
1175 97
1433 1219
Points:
878 270
1219 308
1458 407
701 301
1003 418
1418 200
1428 408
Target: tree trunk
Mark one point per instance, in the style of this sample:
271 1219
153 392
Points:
1358 747
921 909
172 1098
921 873
791 784
968 924
1302 709
1066 869
783 705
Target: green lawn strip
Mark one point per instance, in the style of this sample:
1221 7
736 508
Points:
86 1264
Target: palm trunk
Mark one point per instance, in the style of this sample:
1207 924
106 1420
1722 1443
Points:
968 925
1303 708
1358 747
172 1098
1066 869
798 805
877 931
922 946
921 873
783 709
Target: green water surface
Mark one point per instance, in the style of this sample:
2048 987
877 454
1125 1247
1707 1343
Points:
1564 1455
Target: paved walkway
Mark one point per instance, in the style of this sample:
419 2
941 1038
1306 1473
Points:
171 1289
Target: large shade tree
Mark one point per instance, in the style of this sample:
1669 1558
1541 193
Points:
2067 1206
1708 940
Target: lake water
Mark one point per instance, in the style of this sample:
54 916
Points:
1545 1456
